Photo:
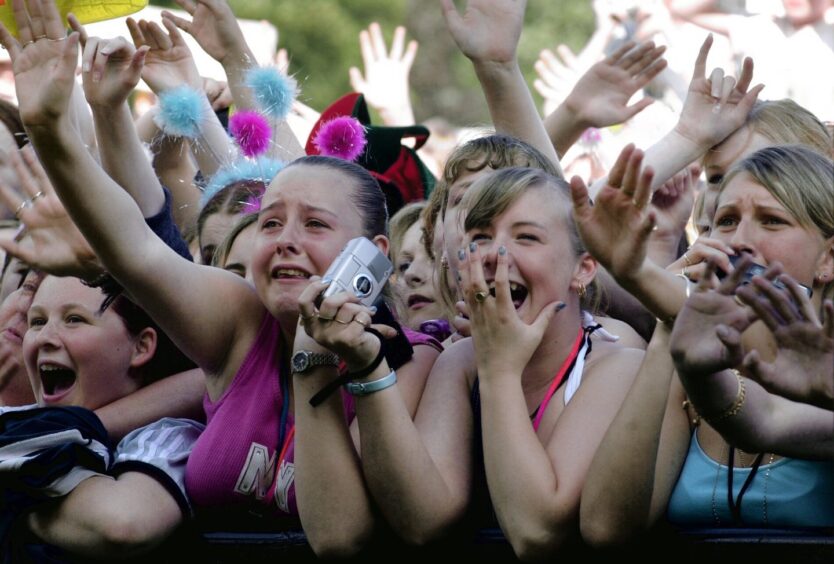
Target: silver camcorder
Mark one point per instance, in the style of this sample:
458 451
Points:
361 269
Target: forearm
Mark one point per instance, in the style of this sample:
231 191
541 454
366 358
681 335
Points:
661 292
79 180
769 423
534 512
213 148
180 395
667 157
333 502
175 169
416 499
511 106
617 495
103 517
124 159
563 128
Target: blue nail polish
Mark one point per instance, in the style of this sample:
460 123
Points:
502 250
473 247
461 254
560 306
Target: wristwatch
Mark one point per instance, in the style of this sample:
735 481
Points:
304 361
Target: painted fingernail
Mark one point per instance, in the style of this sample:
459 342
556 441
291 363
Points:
560 306
373 310
473 247
326 281
461 254
502 250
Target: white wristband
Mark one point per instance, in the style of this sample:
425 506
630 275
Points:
366 388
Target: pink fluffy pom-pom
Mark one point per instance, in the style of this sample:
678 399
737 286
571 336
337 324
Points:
252 132
342 138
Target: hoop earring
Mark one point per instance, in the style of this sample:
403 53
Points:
582 291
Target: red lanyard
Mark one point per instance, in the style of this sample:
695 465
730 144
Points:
560 377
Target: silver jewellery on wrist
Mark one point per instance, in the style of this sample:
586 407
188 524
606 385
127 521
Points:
304 361
366 388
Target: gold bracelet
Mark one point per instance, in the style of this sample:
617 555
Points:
736 406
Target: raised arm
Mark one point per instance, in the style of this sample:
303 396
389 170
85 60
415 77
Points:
738 407
601 96
487 33
111 69
385 81
714 108
204 323
637 463
168 65
214 26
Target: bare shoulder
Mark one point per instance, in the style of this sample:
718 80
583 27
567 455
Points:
613 360
628 337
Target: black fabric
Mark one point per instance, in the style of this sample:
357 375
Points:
164 226
22 488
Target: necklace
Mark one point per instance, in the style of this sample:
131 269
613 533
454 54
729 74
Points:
734 502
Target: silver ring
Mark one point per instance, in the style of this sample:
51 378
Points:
34 198
25 45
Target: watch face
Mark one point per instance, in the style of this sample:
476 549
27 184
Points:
300 361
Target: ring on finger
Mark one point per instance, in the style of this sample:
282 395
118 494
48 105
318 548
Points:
34 198
26 44
686 259
326 319
481 296
340 322
737 299
306 318
360 322
23 205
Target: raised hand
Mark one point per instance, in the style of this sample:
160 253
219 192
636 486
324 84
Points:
600 97
707 334
385 82
488 30
616 228
673 203
110 68
52 242
214 26
803 369
43 61
716 106
494 321
168 63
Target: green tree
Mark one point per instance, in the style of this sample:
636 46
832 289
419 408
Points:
321 37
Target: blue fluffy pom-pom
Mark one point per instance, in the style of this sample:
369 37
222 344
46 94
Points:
273 92
262 169
180 112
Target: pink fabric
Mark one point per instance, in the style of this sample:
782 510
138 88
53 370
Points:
235 461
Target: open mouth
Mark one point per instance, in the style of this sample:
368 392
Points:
416 301
284 273
56 381
518 293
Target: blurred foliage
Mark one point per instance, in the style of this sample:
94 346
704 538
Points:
321 37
